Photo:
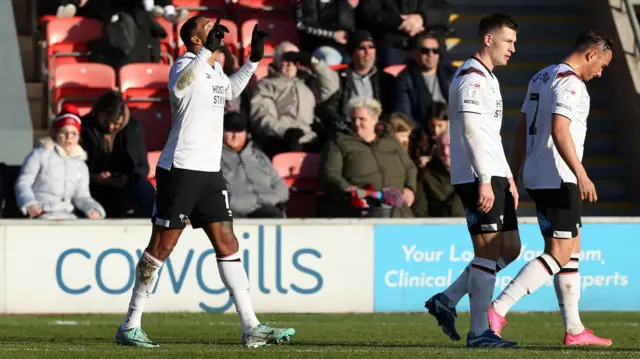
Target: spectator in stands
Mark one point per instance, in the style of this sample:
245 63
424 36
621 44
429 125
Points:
435 196
437 119
361 79
166 9
324 26
54 179
423 81
401 127
395 22
117 158
423 140
284 102
256 190
353 162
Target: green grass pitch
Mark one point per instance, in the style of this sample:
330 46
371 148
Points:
206 335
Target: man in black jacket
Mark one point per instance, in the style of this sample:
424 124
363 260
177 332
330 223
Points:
117 158
361 79
423 81
326 23
395 22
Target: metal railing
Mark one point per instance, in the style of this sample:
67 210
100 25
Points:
633 19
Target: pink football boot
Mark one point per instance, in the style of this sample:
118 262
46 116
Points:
496 321
586 338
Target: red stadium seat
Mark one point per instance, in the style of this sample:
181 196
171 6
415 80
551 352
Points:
67 40
156 119
394 69
152 159
145 82
279 30
168 44
263 68
230 39
81 84
300 172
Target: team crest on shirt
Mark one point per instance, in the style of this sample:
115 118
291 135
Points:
569 95
473 89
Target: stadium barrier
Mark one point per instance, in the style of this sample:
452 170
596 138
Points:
320 266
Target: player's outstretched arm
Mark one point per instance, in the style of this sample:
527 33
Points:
519 148
239 80
187 70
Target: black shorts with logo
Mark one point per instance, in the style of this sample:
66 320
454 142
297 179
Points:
559 210
198 196
501 218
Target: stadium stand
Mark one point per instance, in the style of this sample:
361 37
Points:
547 30
66 41
80 84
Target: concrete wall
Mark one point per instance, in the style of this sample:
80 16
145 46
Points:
16 131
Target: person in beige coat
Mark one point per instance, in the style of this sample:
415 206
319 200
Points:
284 102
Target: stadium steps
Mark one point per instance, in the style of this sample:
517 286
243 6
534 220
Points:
548 29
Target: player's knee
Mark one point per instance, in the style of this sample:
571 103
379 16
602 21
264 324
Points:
511 246
486 246
560 249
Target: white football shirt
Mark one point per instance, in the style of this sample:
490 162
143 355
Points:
556 89
475 89
198 94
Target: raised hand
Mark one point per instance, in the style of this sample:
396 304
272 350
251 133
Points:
214 39
257 44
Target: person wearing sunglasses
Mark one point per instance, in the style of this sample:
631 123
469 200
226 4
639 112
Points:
423 81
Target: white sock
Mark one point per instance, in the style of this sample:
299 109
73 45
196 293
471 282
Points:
482 281
567 283
235 279
458 288
531 277
146 277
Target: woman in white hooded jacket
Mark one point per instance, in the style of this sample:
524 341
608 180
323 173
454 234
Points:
54 179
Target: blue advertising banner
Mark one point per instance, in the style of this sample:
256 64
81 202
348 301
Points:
414 262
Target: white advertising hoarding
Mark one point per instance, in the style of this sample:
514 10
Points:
90 269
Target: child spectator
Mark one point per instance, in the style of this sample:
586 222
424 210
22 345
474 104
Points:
54 179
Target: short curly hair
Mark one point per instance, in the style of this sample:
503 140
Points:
370 104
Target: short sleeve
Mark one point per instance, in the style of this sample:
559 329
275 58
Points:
565 97
472 93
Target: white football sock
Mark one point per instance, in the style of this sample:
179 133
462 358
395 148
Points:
531 277
235 279
567 284
146 277
482 281
458 288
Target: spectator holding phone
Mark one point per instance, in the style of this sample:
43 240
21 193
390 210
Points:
117 158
